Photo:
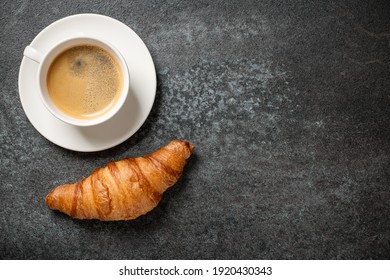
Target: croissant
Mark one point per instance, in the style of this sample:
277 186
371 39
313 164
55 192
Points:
125 189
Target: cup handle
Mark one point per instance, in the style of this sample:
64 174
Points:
33 54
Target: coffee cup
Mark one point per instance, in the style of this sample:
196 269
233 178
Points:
82 81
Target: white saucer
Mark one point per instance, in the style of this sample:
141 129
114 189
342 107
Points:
137 106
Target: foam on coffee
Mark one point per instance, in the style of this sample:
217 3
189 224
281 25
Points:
84 81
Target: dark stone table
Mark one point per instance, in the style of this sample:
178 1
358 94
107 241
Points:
287 102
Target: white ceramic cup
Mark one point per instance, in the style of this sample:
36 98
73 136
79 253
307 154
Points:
46 59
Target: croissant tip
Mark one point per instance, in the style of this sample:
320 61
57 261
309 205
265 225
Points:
49 199
187 144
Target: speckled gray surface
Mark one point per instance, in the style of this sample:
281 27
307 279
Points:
288 106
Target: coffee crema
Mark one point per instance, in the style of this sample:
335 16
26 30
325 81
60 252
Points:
84 82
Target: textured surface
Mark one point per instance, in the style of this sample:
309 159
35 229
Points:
287 104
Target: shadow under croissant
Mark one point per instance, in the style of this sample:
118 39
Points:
153 217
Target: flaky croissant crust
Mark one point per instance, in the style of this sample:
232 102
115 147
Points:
125 189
